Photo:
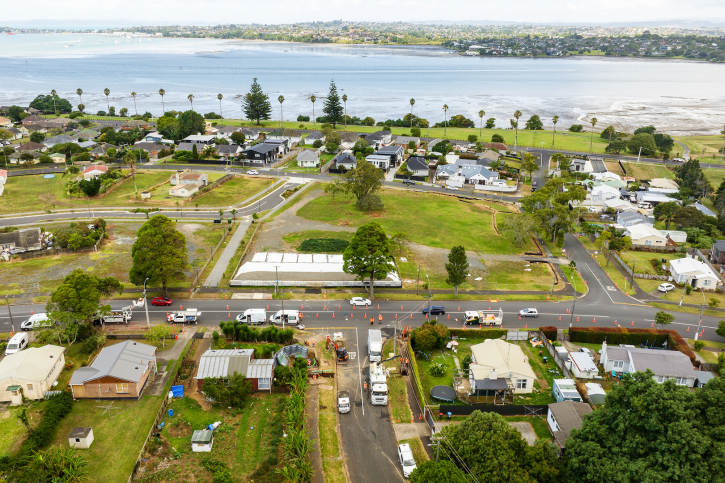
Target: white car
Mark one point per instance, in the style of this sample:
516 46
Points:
252 171
529 313
360 301
407 461
666 287
451 188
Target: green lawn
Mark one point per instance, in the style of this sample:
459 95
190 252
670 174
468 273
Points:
641 260
294 239
704 148
427 380
397 389
541 427
432 220
11 431
715 176
540 395
233 191
327 428
648 171
117 440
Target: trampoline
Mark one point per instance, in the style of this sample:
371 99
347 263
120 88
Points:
48 176
443 393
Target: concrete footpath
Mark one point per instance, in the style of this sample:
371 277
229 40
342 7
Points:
223 262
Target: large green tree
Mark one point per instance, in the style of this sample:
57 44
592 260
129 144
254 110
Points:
16 113
690 177
495 452
368 255
550 206
332 108
666 212
364 180
190 122
457 267
256 105
438 472
159 253
521 226
650 432
534 123
232 391
51 103
644 141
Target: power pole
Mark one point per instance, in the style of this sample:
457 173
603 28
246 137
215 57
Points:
7 302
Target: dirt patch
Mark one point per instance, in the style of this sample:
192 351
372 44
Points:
180 429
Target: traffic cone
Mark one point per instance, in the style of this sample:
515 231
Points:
595 319
449 316
420 417
547 296
338 307
227 306
560 317
267 306
31 311
229 314
333 315
378 306
688 329
519 317
653 325
172 329
180 307
302 316
396 316
526 326
464 326
351 316
411 419
577 319
366 315
401 307
183 329
325 308
480 326
426 316
269 298
633 322
459 308
567 311
411 316
317 316
302 306
398 418
353 307
225 296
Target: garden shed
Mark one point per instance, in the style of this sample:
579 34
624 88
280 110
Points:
202 441
81 438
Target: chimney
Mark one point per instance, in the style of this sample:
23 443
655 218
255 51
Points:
492 374
604 347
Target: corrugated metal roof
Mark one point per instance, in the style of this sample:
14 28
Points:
260 369
222 363
127 361
31 364
202 436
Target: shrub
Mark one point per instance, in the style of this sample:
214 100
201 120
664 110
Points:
323 245
472 138
317 143
549 332
57 408
437 370
93 343
478 334
467 361
215 336
699 345
303 118
597 335
576 128
497 138
370 203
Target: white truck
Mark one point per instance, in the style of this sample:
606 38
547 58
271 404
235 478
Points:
253 317
189 316
484 317
121 316
37 321
378 384
343 402
289 317
375 345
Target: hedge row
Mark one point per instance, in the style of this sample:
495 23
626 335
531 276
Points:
56 409
549 332
478 333
597 335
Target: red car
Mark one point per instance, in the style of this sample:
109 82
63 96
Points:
161 301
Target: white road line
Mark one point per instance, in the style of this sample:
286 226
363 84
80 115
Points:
600 283
359 374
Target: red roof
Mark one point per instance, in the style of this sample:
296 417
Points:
95 167
3 173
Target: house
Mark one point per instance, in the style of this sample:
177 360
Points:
5 122
580 166
619 205
308 159
646 235
290 135
564 416
380 137
664 183
404 141
120 371
16 133
664 364
704 210
630 218
227 131
183 190
432 143
582 365
693 272
382 162
32 120
282 143
61 139
102 150
395 153
228 150
187 177
90 134
417 165
675 236
604 192
703 377
315 136
487 157
348 139
31 146
496 359
475 174
151 148
152 137
595 393
653 198
500 146
81 438
565 390
262 153
224 363
27 239
717 254
3 180
34 370
87 144
345 160
200 139
202 440
94 170
250 134
57 157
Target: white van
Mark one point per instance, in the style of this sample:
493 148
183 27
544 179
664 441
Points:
645 205
17 343
36 321
253 317
291 317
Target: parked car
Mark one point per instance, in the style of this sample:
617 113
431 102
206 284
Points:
529 313
606 217
451 188
161 301
435 310
666 287
533 183
586 351
360 301
407 461
533 188
252 172
409 181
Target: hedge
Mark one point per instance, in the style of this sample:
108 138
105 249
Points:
56 409
550 332
478 333
597 335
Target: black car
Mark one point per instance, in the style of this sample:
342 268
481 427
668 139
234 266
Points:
435 310
408 181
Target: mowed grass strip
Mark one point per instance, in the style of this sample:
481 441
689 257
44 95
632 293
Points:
327 427
397 389
432 220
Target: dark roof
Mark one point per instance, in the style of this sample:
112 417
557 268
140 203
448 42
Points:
416 163
569 415
345 158
720 245
148 146
376 136
227 148
126 361
79 432
498 383
262 148
186 147
598 166
390 150
30 146
315 135
27 238
224 129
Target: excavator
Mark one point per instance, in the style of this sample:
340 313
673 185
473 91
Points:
338 344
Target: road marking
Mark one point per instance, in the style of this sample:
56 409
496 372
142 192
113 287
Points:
359 376
636 305
611 288
352 355
599 282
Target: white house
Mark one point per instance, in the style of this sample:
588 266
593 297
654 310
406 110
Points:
582 365
382 162
199 139
604 192
564 416
694 272
308 159
183 190
646 235
664 364
675 236
94 170
34 370
81 438
497 359
315 136
346 160
631 218
187 177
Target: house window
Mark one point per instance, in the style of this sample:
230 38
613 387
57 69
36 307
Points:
660 379
521 383
263 383
618 365
681 381
30 387
122 388
707 282
648 242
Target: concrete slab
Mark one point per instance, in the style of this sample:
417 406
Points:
410 430
526 430
250 296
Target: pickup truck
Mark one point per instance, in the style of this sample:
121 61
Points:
190 316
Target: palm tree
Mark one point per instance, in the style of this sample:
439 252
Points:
591 138
220 97
445 119
481 113
161 93
79 91
555 119
412 103
344 100
209 151
54 94
133 94
107 91
314 121
281 112
517 115
191 100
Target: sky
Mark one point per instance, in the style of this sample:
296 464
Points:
145 12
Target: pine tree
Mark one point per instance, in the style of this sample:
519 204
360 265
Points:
256 104
194 151
332 108
457 267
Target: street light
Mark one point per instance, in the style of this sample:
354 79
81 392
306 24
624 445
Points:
430 294
7 302
702 308
145 305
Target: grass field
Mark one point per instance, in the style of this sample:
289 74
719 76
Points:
397 389
641 260
541 427
431 220
427 380
11 432
233 191
648 171
715 176
704 148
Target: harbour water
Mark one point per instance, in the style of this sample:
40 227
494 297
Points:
679 97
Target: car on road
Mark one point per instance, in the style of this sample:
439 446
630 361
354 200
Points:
666 287
359 301
161 301
529 313
533 183
252 172
678 160
451 188
533 188
407 461
435 310
409 181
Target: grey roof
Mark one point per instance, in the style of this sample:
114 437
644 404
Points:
705 210
569 415
598 166
103 149
227 148
80 432
87 144
315 135
488 156
390 150
222 363
632 216
660 362
450 169
282 356
376 136
703 377
416 163
26 238
229 129
263 148
469 170
260 369
346 158
202 436
61 139
127 361
406 139
148 146
720 245
349 136
308 155
489 384
186 147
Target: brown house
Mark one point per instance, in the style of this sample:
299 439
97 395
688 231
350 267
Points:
120 371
